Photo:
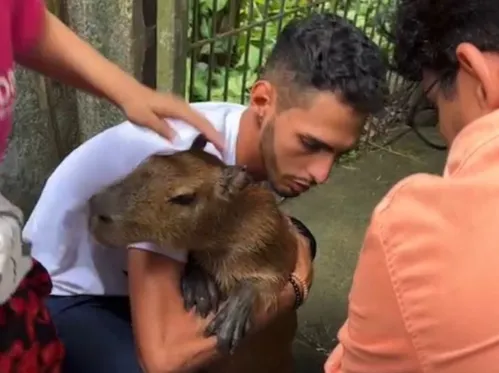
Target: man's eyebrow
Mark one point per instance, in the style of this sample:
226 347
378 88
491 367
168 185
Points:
321 144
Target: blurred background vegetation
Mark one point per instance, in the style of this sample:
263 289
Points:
230 39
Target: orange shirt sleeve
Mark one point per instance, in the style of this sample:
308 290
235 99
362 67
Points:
374 337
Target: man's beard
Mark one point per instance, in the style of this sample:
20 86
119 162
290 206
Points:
270 162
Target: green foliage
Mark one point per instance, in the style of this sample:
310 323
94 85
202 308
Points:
235 58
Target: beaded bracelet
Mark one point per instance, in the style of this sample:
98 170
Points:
304 231
303 286
299 290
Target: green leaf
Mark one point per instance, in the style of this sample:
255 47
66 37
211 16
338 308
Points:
221 47
253 57
207 4
204 30
205 49
221 4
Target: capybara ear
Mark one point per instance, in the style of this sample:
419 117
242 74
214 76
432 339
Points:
234 179
199 142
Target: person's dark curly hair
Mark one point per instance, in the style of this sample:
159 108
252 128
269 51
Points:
328 53
426 34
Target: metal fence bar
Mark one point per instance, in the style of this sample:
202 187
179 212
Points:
194 33
246 52
230 39
253 25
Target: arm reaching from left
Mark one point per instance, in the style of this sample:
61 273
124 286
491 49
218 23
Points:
59 53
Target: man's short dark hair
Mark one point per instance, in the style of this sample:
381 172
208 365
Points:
426 34
328 53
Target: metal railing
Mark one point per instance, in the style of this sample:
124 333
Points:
230 39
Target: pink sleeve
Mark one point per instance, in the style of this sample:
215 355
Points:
27 24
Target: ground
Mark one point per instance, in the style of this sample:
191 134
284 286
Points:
337 213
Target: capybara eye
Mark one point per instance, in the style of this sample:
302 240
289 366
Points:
105 219
184 199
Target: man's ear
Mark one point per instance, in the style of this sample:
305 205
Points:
199 142
476 64
262 98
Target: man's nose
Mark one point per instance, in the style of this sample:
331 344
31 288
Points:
321 168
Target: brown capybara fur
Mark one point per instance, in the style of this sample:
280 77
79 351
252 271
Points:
192 201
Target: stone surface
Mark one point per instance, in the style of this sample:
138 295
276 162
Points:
115 29
32 152
172 45
51 119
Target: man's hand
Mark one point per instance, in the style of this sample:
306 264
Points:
15 259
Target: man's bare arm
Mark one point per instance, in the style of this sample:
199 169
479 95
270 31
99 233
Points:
168 338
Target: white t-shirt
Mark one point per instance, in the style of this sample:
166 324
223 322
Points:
58 226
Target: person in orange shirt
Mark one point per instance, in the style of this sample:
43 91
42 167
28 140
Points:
425 294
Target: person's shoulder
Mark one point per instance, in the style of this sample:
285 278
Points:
218 113
409 189
126 137
216 107
410 220
416 226
113 153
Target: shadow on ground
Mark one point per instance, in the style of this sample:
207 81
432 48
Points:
338 213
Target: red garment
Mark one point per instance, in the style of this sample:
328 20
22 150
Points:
21 23
28 339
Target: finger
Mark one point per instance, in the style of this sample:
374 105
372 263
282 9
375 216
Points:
180 109
163 128
158 125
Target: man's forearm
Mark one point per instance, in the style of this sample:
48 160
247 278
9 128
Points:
63 56
168 338
173 357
